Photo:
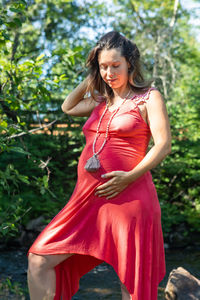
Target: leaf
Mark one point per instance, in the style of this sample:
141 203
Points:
25 66
18 22
14 9
4 124
24 179
45 181
42 190
52 194
6 36
40 57
63 77
19 150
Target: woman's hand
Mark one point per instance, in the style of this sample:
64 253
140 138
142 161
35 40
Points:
119 181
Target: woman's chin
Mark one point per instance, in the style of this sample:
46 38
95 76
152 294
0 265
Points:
112 83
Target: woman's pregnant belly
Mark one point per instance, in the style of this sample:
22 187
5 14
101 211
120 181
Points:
117 154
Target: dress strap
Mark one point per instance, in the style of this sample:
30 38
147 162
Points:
140 99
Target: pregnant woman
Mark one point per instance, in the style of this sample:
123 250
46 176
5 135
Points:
113 214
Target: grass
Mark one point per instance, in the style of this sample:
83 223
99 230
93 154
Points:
12 290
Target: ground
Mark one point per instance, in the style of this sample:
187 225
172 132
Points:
100 283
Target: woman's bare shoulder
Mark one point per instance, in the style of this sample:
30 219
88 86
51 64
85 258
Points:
154 97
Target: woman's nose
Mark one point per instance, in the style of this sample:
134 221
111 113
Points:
110 72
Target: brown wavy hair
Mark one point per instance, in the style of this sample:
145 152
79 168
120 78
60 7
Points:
129 50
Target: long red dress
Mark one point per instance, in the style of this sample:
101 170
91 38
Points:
124 231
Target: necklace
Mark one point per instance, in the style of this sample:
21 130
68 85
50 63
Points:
93 163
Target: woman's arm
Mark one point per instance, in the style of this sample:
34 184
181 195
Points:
160 129
76 105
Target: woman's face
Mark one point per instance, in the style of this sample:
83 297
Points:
113 68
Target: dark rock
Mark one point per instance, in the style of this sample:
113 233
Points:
182 285
31 231
36 224
178 237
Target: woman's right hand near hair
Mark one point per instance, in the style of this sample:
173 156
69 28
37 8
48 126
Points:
76 105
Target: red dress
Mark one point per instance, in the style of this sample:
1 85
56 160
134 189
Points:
124 231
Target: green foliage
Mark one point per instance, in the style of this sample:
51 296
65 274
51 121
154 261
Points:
42 58
10 289
27 186
46 184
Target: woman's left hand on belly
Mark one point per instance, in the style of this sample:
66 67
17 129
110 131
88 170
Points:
118 182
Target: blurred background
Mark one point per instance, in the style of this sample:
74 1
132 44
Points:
43 48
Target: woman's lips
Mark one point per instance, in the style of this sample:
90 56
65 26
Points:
112 80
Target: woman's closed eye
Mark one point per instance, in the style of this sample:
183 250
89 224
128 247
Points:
105 67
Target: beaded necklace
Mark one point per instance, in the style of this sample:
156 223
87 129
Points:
93 163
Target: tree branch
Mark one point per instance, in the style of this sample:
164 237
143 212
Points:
15 45
162 35
31 131
176 3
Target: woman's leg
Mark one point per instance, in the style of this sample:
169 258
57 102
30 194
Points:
41 275
125 293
